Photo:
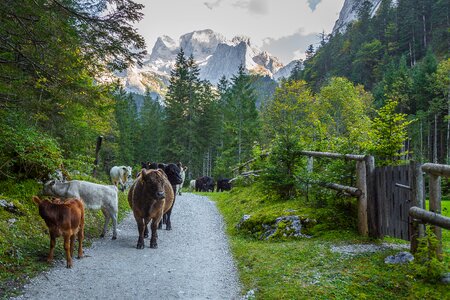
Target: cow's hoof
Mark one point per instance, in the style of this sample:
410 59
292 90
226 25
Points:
140 246
146 235
102 235
114 238
168 227
153 245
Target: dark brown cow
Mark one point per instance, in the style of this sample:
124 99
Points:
63 219
150 196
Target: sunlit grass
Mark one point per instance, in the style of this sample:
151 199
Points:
307 268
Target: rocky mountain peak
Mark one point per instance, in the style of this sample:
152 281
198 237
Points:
349 13
215 55
201 43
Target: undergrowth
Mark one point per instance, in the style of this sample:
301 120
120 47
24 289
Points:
307 268
24 240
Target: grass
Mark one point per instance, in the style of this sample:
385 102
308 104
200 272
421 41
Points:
306 268
24 241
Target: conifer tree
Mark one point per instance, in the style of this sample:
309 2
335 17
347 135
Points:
241 122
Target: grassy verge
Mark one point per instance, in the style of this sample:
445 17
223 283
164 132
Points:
306 268
24 241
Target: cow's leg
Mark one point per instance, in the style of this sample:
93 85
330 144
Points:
72 243
67 250
169 212
105 225
167 218
114 224
80 241
154 238
146 231
52 247
141 228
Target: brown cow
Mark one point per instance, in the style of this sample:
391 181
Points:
150 196
63 218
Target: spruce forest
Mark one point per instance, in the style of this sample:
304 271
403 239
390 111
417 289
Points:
381 88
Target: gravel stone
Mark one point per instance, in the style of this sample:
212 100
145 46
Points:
192 261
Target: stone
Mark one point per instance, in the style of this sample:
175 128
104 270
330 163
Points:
446 278
242 220
399 258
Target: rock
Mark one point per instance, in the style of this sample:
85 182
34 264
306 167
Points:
446 278
249 295
399 258
10 207
242 220
293 228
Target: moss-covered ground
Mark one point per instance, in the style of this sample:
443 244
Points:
306 268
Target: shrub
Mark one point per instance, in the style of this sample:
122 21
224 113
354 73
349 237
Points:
25 151
426 263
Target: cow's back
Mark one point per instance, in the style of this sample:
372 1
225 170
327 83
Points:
95 196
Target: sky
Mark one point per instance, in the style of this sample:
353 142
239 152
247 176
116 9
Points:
284 28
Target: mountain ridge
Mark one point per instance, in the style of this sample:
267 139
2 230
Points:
215 55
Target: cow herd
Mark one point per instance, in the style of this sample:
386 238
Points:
151 197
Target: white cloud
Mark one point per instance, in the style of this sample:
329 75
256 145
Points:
212 5
254 6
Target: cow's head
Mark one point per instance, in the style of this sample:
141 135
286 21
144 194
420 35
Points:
154 181
173 174
48 188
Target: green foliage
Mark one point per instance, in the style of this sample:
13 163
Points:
25 152
426 263
191 119
389 132
241 124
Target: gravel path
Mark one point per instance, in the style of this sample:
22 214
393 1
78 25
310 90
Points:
192 261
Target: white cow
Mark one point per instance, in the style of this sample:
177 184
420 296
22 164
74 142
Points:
183 176
95 196
120 175
192 184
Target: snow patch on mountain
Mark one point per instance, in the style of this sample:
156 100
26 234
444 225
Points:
215 55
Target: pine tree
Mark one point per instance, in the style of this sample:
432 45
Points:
241 124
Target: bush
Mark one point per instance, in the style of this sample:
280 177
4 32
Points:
25 151
426 263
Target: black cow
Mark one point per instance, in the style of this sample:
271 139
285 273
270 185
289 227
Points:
223 185
204 184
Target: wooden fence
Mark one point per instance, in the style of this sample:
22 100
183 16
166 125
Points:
390 199
433 216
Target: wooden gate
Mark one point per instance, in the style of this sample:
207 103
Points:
394 197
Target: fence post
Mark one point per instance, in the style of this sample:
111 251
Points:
435 206
361 183
373 222
417 189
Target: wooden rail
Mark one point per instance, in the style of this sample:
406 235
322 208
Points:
365 166
433 216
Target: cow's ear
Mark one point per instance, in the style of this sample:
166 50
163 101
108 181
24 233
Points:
125 169
37 200
185 168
